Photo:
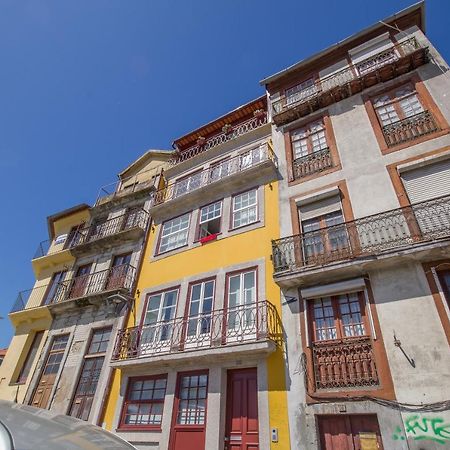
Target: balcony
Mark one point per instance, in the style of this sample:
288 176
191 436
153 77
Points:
344 363
258 163
409 129
80 289
128 226
137 185
228 134
386 65
249 329
404 229
311 164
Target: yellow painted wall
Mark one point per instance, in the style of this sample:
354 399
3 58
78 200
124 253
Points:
243 247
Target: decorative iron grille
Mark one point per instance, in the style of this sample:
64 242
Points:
410 128
390 230
312 163
344 363
238 164
236 131
254 322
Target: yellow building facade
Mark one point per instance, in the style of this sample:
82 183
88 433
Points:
201 362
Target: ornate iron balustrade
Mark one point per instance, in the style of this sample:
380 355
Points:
236 131
119 277
344 363
354 78
215 173
136 183
249 323
390 230
410 128
136 218
114 278
312 163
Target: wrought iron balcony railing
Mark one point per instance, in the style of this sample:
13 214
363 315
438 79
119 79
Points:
249 323
372 235
114 278
312 163
396 60
234 132
136 218
410 128
238 164
344 363
142 181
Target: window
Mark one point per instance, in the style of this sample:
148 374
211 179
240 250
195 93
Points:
32 352
245 208
444 278
188 184
241 294
159 314
90 374
300 91
144 402
200 307
210 217
55 289
174 233
192 399
219 170
60 239
251 157
338 317
324 233
397 105
308 139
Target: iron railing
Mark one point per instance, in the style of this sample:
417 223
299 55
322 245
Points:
118 277
248 323
215 173
135 218
409 129
312 163
347 75
225 136
390 230
344 363
142 180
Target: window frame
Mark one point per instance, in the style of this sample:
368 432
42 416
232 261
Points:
20 379
124 426
160 237
199 222
307 126
161 292
232 211
337 318
395 102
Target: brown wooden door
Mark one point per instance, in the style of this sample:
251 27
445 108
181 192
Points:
119 271
46 382
241 430
349 432
80 281
189 412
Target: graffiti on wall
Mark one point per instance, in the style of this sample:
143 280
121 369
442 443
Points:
424 429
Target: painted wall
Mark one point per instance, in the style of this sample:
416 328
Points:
241 249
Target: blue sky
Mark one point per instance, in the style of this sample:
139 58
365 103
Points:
87 86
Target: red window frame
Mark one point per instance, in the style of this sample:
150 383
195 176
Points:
197 227
29 359
310 134
127 402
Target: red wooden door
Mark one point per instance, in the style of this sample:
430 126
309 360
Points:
80 282
349 432
189 412
241 431
119 271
